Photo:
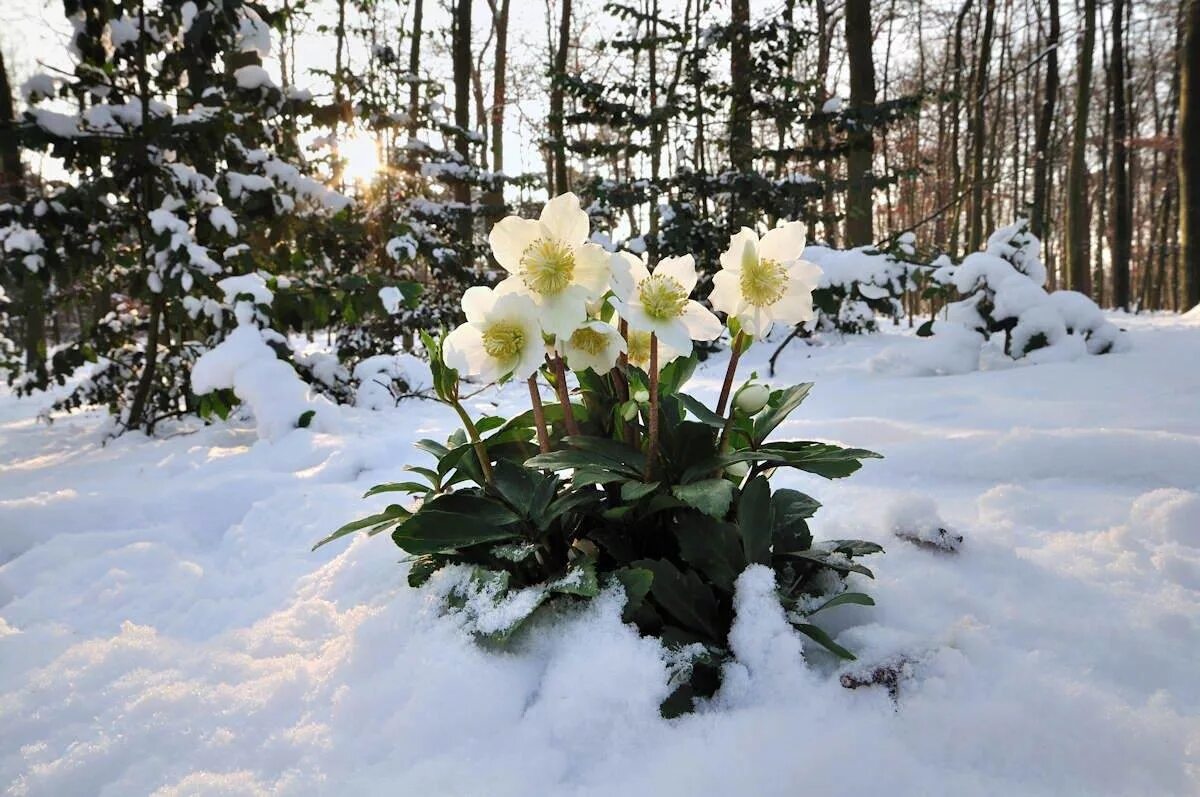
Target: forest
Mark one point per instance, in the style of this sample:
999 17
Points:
599 397
344 147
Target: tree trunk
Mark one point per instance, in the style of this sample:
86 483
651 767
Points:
462 113
861 143
1122 210
978 128
1078 223
1041 149
499 85
414 64
741 143
960 66
1189 155
558 142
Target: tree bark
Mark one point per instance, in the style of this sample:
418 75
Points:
978 128
558 142
1077 202
462 112
1189 156
859 178
1041 149
741 154
960 66
1122 209
414 64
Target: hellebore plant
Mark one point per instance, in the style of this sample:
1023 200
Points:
627 481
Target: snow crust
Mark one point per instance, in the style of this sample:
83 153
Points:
164 628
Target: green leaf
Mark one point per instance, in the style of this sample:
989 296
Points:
853 547
394 514
576 459
823 559
397 487
636 581
790 510
823 459
702 413
779 406
580 579
455 520
422 568
711 496
712 548
856 598
684 596
612 451
305 419
824 640
635 491
754 520
527 491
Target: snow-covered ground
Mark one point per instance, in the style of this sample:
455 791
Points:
164 628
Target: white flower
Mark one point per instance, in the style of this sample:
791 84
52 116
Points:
501 337
659 302
764 281
552 262
639 350
594 345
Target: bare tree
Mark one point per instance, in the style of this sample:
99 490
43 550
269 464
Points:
860 209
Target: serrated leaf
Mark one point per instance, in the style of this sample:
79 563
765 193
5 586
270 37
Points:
711 547
711 496
702 412
779 406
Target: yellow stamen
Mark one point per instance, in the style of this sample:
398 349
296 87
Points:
504 340
547 267
589 341
662 297
639 347
764 281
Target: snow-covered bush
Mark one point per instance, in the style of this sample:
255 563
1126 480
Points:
637 485
856 285
1001 290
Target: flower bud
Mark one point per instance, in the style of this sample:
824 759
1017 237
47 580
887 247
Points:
641 396
751 398
629 410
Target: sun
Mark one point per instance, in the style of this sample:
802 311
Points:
360 154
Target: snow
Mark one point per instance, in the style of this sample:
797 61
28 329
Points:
392 299
164 628
38 86
253 76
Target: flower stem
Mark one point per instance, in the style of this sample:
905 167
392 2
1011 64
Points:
481 453
564 398
539 414
738 343
652 447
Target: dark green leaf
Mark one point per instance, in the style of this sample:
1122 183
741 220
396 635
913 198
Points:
305 419
455 520
754 520
711 496
394 514
397 487
712 547
636 582
612 451
634 491
824 640
856 598
702 413
684 596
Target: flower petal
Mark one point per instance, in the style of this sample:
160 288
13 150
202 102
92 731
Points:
562 314
563 219
477 302
726 292
700 323
593 269
783 243
731 258
509 239
675 334
681 269
463 350
627 271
